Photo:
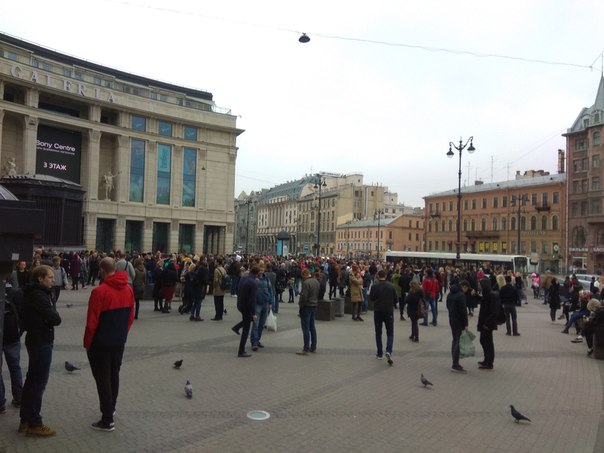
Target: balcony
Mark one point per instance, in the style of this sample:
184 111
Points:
543 207
434 214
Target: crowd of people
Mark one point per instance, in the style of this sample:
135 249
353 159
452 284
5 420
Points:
259 283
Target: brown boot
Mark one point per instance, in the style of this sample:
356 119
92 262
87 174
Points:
40 431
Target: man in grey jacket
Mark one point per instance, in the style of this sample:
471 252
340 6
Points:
309 298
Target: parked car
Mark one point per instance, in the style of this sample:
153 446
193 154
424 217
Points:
585 280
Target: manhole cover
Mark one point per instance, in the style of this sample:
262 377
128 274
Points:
258 415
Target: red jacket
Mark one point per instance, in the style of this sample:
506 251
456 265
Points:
430 286
110 312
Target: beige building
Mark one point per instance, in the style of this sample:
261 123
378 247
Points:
494 216
156 160
370 238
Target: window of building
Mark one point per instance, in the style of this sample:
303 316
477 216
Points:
164 128
534 199
544 223
576 186
523 223
555 223
585 162
544 247
134 235
473 225
450 225
189 175
473 204
164 164
484 203
483 225
556 197
186 238
595 161
465 205
544 199
436 227
450 205
139 123
533 223
595 183
576 165
578 237
596 139
137 171
495 202
190 133
504 201
600 237
585 186
13 56
495 224
596 206
583 208
513 223
504 223
580 144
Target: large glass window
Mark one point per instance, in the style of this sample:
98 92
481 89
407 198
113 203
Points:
137 170
190 133
186 235
164 128
544 223
134 235
161 232
189 174
555 223
139 123
164 165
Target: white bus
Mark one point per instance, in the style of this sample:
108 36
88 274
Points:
515 263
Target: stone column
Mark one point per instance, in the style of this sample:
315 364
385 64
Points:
93 152
32 96
174 235
151 173
120 233
30 135
122 167
199 238
94 113
90 231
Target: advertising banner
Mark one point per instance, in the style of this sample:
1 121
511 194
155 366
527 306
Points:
59 153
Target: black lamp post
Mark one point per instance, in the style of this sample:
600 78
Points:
519 200
459 148
378 213
319 185
248 202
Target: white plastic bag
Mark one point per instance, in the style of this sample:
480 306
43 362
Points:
271 322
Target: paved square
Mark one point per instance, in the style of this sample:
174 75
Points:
340 399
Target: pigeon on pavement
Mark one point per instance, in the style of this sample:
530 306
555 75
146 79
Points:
189 390
517 415
70 367
178 364
426 382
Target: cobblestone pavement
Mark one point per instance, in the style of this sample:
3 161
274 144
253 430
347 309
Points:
339 399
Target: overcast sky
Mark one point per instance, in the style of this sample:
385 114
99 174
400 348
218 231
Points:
369 93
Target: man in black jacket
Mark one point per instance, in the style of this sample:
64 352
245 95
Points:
404 281
508 294
39 319
458 318
246 304
383 295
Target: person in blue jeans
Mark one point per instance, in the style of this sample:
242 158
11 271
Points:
577 315
39 319
308 301
264 299
431 287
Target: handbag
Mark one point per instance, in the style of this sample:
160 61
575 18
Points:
421 309
271 322
466 345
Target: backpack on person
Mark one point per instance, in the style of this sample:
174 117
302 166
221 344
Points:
225 281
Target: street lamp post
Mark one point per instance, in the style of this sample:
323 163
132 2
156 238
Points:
520 200
459 148
248 202
319 185
378 213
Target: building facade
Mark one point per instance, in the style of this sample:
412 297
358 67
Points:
585 178
496 217
156 160
373 238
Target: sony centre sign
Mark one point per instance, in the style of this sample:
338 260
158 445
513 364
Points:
70 86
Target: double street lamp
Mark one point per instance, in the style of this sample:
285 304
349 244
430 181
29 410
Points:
459 148
319 185
378 213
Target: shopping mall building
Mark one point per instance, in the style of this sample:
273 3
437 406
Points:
155 162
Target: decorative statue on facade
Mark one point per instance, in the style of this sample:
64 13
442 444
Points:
108 180
10 167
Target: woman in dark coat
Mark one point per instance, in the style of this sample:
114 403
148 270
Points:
487 322
169 278
415 295
554 298
74 270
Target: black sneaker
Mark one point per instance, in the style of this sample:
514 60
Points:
458 369
389 358
3 409
103 426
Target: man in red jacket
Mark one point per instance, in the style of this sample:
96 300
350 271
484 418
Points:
110 315
430 287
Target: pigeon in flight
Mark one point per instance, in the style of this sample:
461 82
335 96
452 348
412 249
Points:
70 366
425 381
189 390
517 415
178 364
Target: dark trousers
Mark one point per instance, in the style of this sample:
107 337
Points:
456 334
414 327
40 357
552 313
401 304
105 363
93 275
309 331
387 319
218 306
486 341
56 292
510 312
245 324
